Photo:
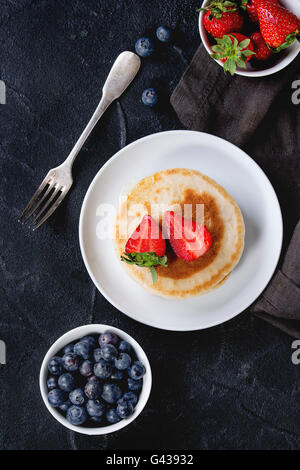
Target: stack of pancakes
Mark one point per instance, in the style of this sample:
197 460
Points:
184 190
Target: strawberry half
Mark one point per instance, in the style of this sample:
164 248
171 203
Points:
222 17
146 247
188 239
235 50
279 27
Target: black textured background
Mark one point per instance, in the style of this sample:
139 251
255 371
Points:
233 386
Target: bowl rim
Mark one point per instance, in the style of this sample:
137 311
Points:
76 334
294 50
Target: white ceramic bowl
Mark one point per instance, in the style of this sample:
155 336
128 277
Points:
74 335
284 59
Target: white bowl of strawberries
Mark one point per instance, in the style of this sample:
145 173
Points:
253 38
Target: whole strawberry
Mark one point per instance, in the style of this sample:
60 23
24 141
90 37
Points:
234 50
222 17
262 51
279 27
250 7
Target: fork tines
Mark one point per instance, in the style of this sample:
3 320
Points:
48 195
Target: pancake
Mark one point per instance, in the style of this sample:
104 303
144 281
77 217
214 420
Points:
172 190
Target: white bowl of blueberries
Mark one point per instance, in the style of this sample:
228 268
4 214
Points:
95 379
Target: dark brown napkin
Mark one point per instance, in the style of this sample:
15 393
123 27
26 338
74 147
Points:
233 108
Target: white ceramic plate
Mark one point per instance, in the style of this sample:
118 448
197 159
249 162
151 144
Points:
231 168
286 57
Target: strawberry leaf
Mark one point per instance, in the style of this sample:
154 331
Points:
146 260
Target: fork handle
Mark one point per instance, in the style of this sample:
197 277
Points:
120 76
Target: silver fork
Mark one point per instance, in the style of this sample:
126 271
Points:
58 181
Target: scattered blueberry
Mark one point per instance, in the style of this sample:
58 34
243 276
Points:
93 388
55 366
149 97
83 349
97 354
144 47
131 397
163 34
90 340
86 368
124 408
108 338
112 416
95 408
52 383
71 362
124 346
66 382
68 349
116 375
123 361
56 397
76 415
136 371
111 392
65 406
77 396
109 353
134 384
102 369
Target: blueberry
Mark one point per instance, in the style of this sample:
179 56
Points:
149 97
163 34
86 368
134 384
136 371
71 362
77 396
124 346
76 415
108 338
96 419
116 374
109 353
83 349
56 397
124 408
123 361
55 365
112 416
111 392
97 354
52 383
65 406
90 340
131 397
92 389
102 369
68 349
95 408
144 47
66 382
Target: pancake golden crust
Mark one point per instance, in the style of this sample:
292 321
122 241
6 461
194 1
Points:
173 189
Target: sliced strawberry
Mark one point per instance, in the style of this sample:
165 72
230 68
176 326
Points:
262 51
279 27
146 247
235 50
188 239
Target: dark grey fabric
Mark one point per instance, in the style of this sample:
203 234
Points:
242 110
